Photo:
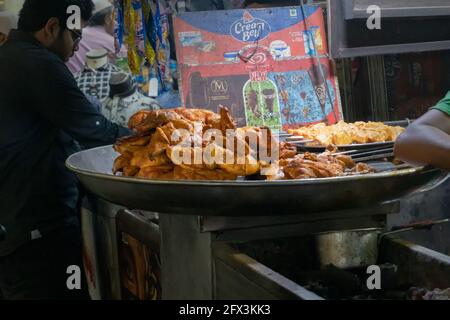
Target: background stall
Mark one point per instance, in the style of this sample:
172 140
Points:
206 257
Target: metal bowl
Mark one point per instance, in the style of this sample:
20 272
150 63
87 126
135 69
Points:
244 198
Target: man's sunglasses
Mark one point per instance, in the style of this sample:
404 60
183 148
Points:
76 35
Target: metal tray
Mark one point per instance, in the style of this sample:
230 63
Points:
245 198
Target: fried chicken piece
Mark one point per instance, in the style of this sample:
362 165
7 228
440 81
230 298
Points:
246 141
245 166
362 168
136 119
158 143
331 148
325 165
122 162
347 160
309 156
213 157
262 145
130 171
301 169
197 115
326 170
178 131
144 122
294 169
231 162
287 150
131 144
223 123
226 120
143 158
188 157
181 173
157 173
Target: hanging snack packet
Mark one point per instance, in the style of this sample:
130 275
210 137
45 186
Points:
119 23
135 35
148 46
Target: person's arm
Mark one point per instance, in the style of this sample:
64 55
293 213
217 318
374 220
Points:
427 140
63 104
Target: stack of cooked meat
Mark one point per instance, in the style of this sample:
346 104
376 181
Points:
157 148
324 165
177 144
344 133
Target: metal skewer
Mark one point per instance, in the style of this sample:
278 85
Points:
393 168
343 153
375 157
368 153
300 142
295 138
284 134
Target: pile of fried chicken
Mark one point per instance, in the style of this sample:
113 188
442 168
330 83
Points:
163 137
155 150
311 166
344 133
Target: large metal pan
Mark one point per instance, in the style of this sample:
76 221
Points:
244 198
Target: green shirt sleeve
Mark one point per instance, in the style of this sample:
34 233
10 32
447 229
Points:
444 105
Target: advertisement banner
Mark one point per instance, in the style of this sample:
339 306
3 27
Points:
270 67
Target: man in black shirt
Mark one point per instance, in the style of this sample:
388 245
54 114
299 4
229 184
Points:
42 113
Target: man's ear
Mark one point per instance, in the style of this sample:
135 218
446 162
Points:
52 28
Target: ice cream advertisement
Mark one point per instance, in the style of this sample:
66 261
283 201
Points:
270 67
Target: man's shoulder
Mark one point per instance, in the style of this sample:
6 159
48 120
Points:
26 54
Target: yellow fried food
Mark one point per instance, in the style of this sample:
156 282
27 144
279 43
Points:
343 133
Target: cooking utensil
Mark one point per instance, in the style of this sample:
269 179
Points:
391 167
358 248
283 134
300 142
372 152
346 147
244 198
402 123
375 157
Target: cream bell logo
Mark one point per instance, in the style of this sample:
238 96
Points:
250 29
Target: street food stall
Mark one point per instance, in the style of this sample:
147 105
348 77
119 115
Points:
306 225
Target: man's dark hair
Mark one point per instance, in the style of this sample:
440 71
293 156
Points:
99 18
36 13
274 3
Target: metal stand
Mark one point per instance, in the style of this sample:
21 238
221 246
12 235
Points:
189 243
